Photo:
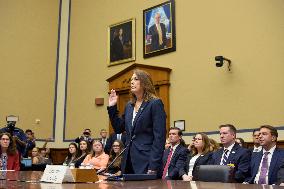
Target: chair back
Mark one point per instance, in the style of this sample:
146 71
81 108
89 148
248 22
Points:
214 173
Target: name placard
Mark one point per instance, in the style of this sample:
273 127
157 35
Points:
57 174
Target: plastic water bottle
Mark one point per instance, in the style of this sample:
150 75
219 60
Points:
82 166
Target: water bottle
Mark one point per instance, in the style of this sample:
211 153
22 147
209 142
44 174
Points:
72 166
82 166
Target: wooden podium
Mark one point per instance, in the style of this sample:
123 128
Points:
85 175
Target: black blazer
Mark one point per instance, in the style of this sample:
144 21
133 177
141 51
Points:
177 162
240 157
148 135
201 160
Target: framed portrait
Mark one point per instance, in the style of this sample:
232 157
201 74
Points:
180 124
159 34
121 42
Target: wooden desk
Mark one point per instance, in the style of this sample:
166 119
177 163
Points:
17 180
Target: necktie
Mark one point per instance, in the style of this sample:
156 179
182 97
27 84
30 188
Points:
225 157
167 164
263 169
159 29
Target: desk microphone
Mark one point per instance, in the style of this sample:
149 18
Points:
104 170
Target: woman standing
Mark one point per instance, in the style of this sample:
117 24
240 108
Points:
9 154
200 155
144 121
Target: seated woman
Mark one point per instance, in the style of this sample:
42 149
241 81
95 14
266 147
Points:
116 148
72 154
36 157
200 155
83 151
10 158
98 159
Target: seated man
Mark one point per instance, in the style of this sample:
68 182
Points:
265 164
232 154
175 157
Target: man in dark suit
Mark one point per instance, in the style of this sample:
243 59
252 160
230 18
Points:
266 163
232 154
174 158
103 138
113 137
158 33
255 136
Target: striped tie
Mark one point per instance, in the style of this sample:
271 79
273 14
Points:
225 157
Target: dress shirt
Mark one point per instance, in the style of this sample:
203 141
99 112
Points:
271 151
173 151
229 152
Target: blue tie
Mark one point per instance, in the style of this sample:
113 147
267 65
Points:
225 157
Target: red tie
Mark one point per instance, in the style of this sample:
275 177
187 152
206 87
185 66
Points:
167 164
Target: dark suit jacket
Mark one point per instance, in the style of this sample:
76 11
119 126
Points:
148 135
274 167
280 174
155 37
111 140
201 160
177 162
240 157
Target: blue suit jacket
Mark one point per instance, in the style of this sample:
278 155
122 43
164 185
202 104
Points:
177 163
275 164
240 157
148 135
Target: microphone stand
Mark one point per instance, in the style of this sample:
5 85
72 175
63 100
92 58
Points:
104 170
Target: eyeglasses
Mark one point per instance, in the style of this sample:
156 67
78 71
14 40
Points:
115 145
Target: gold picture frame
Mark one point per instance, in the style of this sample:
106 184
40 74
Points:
121 42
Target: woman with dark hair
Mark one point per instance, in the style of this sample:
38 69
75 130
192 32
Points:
115 168
97 159
10 159
144 121
200 155
72 154
84 150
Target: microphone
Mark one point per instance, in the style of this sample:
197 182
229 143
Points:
104 170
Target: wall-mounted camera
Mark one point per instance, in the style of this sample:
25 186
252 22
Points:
220 61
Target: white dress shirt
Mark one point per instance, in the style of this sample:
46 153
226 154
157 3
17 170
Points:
269 156
229 152
173 151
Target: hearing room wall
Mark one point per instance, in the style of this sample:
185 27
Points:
250 33
28 47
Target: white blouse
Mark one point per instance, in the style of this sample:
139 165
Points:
191 164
